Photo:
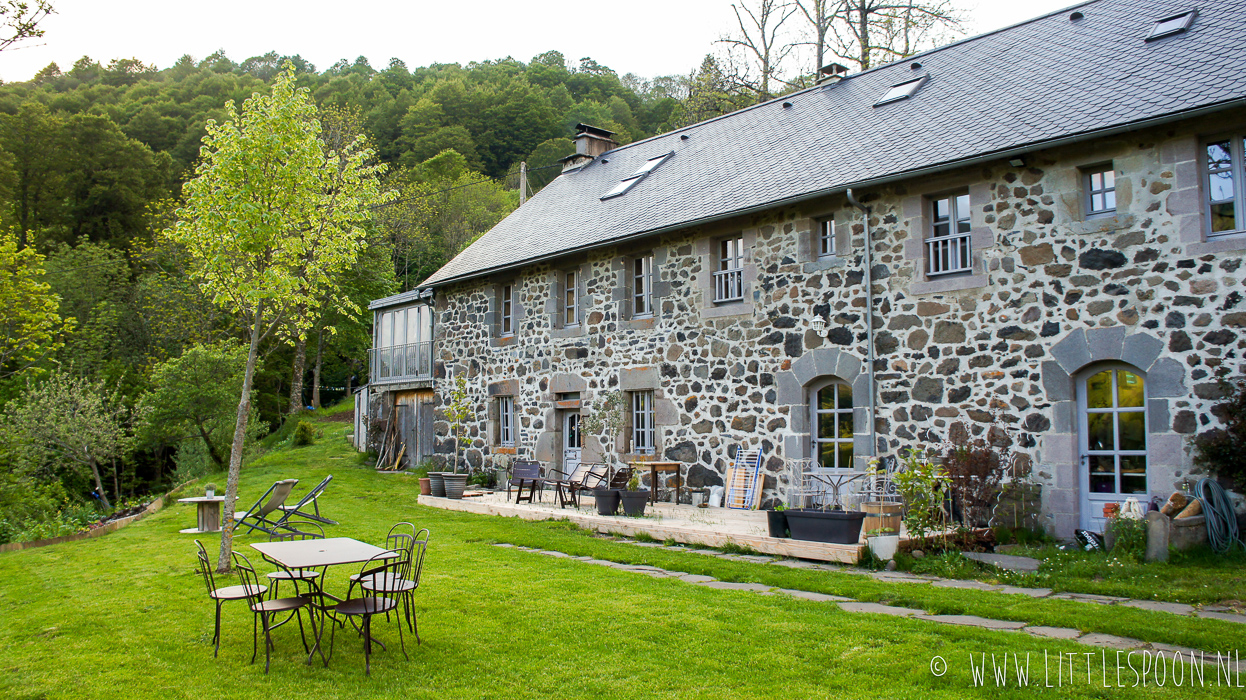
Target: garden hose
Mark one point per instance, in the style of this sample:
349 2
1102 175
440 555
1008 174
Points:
1222 531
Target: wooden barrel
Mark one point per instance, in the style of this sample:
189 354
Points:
881 515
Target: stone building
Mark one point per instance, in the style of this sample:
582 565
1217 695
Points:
1047 222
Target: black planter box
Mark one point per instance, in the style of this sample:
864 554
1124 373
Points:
607 501
634 502
834 526
777 520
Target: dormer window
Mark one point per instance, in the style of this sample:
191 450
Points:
632 180
902 91
1172 25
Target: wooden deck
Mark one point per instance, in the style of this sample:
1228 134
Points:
711 527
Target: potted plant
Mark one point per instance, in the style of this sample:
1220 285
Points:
834 526
209 489
634 498
607 501
604 420
883 542
923 485
776 519
437 484
459 412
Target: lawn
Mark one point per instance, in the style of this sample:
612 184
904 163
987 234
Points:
125 616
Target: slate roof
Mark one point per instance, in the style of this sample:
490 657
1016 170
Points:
1042 81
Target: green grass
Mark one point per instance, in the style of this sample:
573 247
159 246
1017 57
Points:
125 616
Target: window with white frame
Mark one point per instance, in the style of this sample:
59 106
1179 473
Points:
506 300
1099 182
506 421
571 299
643 423
948 246
830 412
403 343
826 238
642 286
729 277
1226 185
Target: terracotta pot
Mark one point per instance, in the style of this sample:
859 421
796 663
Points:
426 486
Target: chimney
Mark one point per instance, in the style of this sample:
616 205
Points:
831 73
590 142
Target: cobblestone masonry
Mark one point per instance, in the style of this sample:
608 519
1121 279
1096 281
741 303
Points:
1051 293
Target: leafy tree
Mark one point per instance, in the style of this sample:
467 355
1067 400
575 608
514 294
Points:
74 421
271 220
30 326
33 138
19 20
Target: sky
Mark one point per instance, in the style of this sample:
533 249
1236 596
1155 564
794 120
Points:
649 38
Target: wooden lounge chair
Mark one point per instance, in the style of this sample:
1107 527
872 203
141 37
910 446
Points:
310 498
256 517
595 477
525 472
564 489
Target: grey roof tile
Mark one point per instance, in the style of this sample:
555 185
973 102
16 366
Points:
1045 79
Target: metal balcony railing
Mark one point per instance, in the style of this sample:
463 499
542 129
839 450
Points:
729 285
402 362
948 254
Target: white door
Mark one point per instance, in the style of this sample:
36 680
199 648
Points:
571 448
1113 427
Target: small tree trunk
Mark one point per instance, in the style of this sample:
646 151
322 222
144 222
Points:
296 377
235 453
213 453
99 484
315 402
116 480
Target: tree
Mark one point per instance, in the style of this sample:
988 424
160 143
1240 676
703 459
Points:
819 14
758 49
73 420
192 398
19 21
869 32
272 218
30 326
32 138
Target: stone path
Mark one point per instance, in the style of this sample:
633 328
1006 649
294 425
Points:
1096 639
1010 562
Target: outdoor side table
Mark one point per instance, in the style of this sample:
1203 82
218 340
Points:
209 514
654 468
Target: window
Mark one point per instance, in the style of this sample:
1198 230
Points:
506 421
507 325
1100 185
1226 186
632 180
729 278
1172 25
1115 432
826 238
642 286
831 415
643 423
902 91
948 247
571 300
403 343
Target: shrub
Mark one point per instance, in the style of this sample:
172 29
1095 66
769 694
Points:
922 484
974 471
1222 450
1130 537
304 434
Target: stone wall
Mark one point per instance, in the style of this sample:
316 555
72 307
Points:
1051 294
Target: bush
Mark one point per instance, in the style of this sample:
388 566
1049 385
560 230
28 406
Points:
1222 450
304 434
1130 537
974 470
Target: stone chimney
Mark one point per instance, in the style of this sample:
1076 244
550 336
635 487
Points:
590 142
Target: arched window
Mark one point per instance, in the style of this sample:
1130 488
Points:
1113 427
830 418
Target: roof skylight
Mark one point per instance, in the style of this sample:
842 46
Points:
1172 25
902 91
630 181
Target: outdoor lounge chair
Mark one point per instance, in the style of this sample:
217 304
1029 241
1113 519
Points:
299 530
525 472
594 478
564 489
310 498
256 517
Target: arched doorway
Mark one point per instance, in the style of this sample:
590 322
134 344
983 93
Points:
1112 421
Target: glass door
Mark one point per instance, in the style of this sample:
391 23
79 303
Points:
1112 407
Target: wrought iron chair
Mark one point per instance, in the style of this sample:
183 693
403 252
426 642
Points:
404 581
271 501
264 609
380 567
299 531
219 595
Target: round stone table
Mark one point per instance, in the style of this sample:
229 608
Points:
209 512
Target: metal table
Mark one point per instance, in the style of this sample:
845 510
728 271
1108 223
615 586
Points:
208 514
834 478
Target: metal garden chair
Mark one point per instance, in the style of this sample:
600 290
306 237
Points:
404 581
219 595
380 567
300 531
264 609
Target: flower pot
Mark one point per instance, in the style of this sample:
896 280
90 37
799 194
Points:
634 502
884 546
426 486
455 483
607 501
777 520
437 484
208 493
834 526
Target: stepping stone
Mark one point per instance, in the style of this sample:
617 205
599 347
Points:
503 544
1053 632
643 567
1111 641
974 621
1004 561
674 548
1228 617
754 558
794 563
1184 651
880 609
706 552
1089 598
601 562
696 578
973 585
646 544
582 558
888 577
653 574
560 555
1158 606
733 586
1031 592
815 597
